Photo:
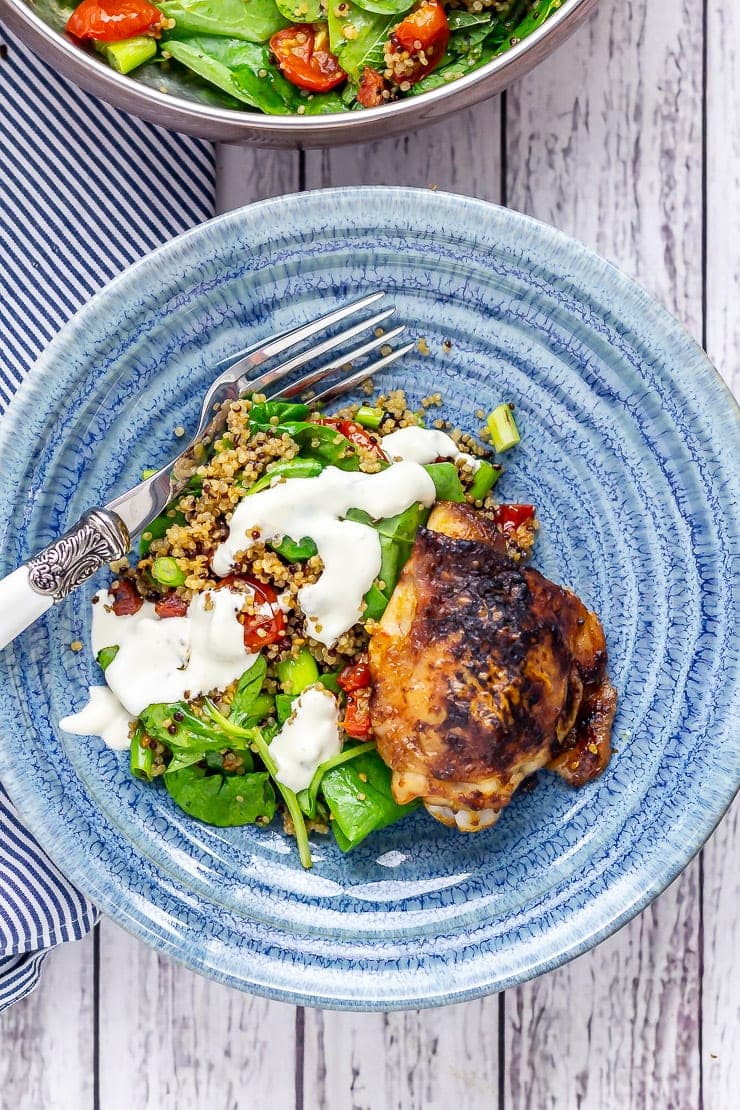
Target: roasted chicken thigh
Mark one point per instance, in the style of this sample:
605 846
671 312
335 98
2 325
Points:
484 672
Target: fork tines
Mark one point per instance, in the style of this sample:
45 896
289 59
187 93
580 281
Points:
346 359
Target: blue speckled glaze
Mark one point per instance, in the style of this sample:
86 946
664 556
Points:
630 448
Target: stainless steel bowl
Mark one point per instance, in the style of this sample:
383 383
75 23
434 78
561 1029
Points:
227 125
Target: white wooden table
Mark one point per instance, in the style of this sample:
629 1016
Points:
629 140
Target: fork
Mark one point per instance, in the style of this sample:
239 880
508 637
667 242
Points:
104 534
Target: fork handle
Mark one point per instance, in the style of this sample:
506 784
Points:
98 538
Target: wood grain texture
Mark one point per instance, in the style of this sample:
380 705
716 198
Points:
723 189
720 1043
417 1060
461 154
245 174
47 1040
605 141
188 1043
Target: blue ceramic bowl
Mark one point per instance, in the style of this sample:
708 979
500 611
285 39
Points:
630 448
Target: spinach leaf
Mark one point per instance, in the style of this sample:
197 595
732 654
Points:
235 67
322 442
284 707
181 729
360 805
293 468
295 551
376 604
308 799
536 15
223 800
322 104
158 527
253 22
397 535
372 31
457 20
167 75
247 691
106 656
263 413
447 484
300 11
386 7
55 12
141 759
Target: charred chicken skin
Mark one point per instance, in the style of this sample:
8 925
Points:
483 672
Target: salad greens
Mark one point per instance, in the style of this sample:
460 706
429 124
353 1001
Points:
214 757
285 57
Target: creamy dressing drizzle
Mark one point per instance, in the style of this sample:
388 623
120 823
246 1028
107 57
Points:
350 551
161 660
103 716
308 738
424 445
179 658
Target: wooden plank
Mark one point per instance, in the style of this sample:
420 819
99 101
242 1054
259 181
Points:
188 1042
461 154
723 190
245 174
431 1058
417 1060
47 1040
721 857
605 141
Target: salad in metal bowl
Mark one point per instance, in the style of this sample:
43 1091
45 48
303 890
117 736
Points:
304 57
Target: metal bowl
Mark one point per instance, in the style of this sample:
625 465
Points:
228 125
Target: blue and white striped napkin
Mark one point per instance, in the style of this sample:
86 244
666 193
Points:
84 191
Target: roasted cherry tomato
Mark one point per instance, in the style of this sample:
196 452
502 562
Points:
356 721
126 600
171 606
303 55
509 517
419 42
356 434
356 676
113 20
267 625
371 89
355 681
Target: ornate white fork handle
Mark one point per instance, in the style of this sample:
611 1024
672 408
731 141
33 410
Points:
103 535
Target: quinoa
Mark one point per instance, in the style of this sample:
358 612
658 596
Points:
239 458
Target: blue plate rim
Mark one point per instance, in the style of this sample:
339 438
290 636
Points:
693 360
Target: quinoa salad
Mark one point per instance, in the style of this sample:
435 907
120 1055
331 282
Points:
303 57
234 651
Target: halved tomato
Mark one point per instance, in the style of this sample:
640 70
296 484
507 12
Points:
303 55
419 42
126 599
113 20
267 624
171 606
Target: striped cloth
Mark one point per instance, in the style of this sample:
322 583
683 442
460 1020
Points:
84 192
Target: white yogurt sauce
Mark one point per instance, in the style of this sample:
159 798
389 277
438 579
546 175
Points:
161 660
178 657
103 716
424 445
308 738
350 551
